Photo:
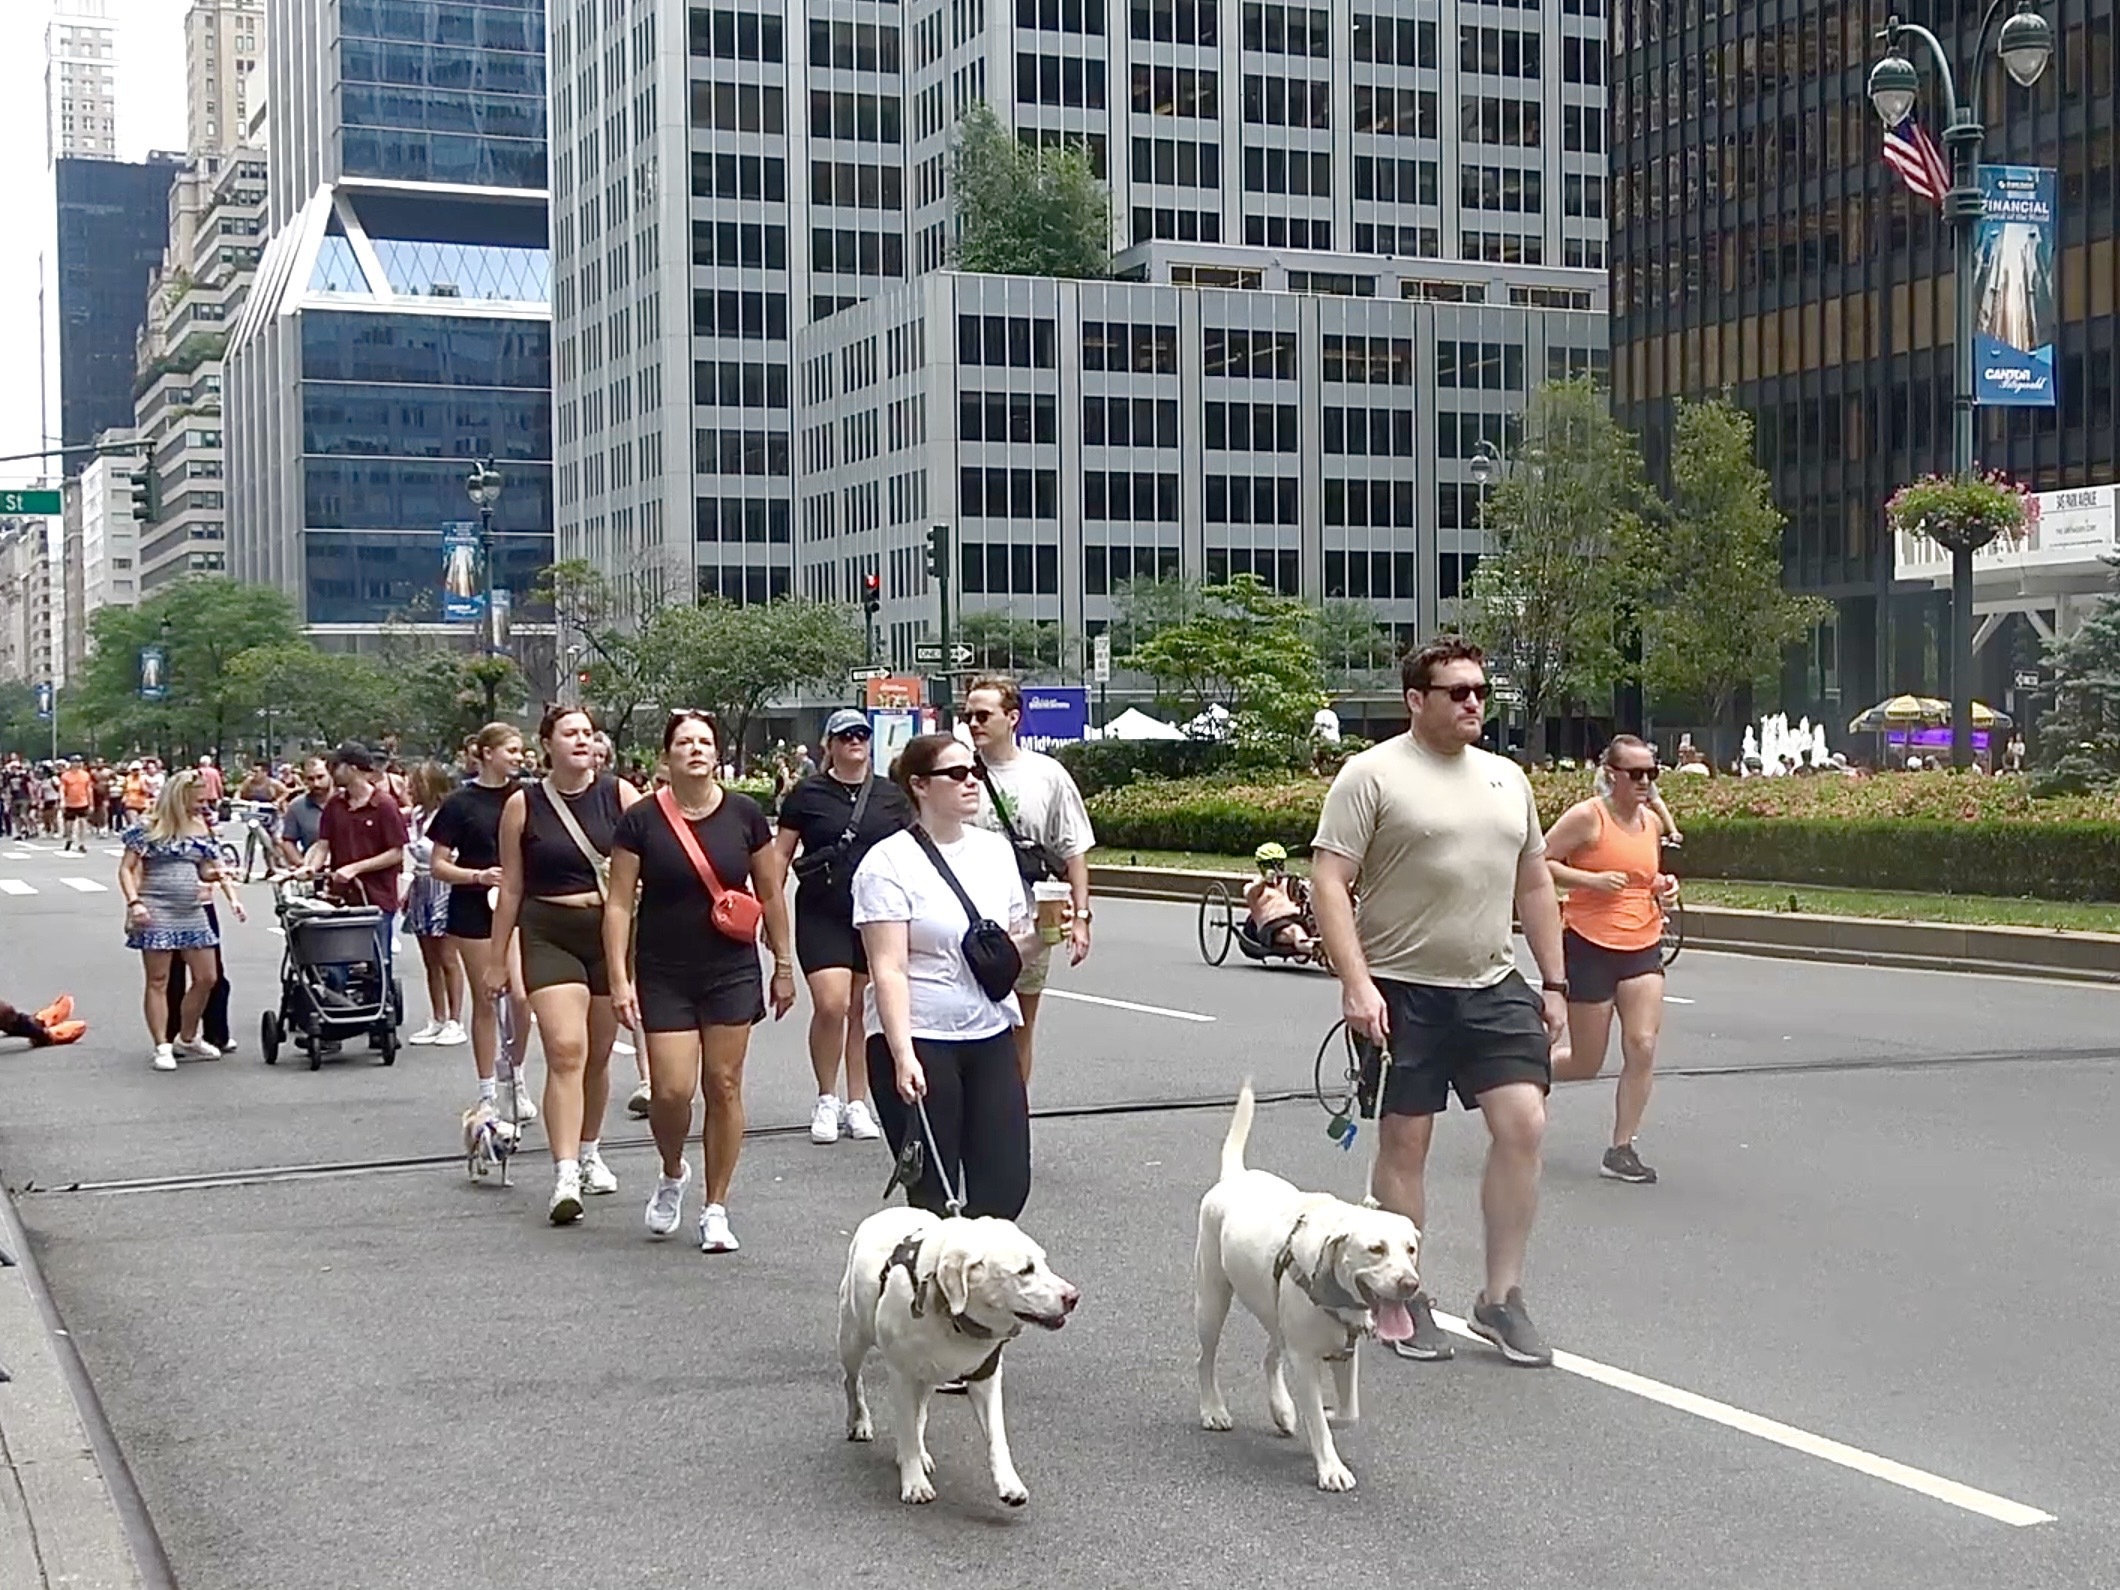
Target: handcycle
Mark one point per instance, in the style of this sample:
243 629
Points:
1224 920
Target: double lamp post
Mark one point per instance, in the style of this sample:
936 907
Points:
2025 44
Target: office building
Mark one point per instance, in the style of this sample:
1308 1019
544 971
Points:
73 628
22 548
1760 246
81 82
724 176
221 58
1078 434
399 327
109 570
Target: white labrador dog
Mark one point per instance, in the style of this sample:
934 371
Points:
940 1299
1318 1273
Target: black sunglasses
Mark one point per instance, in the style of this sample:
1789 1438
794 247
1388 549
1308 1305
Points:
980 714
1640 774
1464 693
961 772
851 734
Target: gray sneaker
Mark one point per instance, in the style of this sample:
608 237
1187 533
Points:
1508 1325
1427 1344
1623 1164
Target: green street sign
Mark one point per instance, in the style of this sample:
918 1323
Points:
29 502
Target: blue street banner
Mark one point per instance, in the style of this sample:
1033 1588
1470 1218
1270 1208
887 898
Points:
463 598
154 673
1053 715
500 601
2014 323
44 702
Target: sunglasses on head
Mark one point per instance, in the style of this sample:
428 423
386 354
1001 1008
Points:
1642 774
1464 693
961 772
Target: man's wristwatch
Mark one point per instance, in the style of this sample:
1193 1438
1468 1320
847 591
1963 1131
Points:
1552 987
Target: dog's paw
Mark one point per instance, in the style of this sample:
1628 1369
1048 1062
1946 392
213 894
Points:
1216 1419
1284 1417
916 1490
861 1430
1337 1477
1015 1493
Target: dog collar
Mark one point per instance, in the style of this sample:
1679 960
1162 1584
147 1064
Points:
1322 1288
906 1257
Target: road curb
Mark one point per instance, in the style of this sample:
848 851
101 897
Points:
1790 935
71 1517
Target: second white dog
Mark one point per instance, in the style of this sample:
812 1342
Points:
1318 1273
940 1299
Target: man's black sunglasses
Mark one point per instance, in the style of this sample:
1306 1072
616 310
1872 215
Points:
1464 693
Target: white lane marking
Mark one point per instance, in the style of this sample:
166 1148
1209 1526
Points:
86 886
1673 999
274 927
1127 1004
15 855
15 886
1988 1505
113 850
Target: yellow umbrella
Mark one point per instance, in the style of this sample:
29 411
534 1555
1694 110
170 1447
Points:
1922 712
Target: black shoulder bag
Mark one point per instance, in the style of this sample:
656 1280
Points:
991 954
1031 858
827 867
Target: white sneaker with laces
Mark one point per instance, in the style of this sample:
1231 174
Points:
451 1035
198 1048
667 1207
427 1034
597 1177
637 1105
165 1057
824 1120
525 1106
714 1233
860 1123
566 1205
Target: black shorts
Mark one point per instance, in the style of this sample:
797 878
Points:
1595 973
1471 1039
825 941
562 945
470 912
687 998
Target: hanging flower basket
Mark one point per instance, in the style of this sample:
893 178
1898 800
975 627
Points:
1961 513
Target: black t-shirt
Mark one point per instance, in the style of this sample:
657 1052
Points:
469 823
818 809
672 926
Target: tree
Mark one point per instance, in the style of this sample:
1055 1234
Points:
1148 604
1566 523
444 695
1350 640
320 697
1248 650
1718 619
1002 642
599 615
21 730
1027 209
2079 738
732 660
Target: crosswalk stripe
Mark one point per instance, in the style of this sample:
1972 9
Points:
15 886
85 886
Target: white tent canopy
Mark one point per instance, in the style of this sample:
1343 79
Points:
1134 724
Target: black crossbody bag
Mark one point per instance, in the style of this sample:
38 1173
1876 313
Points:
826 866
1031 857
991 954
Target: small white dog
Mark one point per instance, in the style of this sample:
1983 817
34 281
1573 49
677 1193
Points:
488 1141
940 1299
1318 1273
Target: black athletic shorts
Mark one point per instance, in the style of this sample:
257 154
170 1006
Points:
1595 973
825 940
687 998
470 912
1470 1039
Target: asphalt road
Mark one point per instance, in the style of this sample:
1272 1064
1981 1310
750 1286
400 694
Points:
1886 1206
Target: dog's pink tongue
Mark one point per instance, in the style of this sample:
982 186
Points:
1394 1322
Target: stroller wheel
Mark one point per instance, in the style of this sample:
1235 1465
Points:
269 1037
388 1046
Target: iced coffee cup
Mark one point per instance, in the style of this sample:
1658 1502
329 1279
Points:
1052 902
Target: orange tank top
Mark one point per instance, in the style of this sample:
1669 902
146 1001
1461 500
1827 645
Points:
1628 920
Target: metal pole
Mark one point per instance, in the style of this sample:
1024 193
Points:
1965 138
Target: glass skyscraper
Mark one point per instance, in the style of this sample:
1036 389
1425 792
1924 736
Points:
400 326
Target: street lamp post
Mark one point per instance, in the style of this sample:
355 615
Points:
2025 44
483 486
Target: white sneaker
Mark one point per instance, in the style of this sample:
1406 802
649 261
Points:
667 1207
597 1177
165 1057
451 1035
860 1124
427 1034
824 1120
566 1205
714 1233
198 1048
525 1106
637 1105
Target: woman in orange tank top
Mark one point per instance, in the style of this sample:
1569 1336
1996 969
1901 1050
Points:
1607 853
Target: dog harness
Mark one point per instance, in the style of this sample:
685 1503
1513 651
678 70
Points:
1323 1288
906 1257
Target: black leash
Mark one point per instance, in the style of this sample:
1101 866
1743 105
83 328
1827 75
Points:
912 1162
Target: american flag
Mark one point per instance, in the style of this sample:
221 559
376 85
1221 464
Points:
1910 151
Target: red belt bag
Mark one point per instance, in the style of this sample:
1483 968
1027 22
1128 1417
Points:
736 913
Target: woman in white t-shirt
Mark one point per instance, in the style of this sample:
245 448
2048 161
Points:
933 1033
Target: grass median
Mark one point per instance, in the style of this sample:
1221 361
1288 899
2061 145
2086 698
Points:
1965 909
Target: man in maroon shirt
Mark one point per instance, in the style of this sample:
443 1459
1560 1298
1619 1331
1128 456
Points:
361 840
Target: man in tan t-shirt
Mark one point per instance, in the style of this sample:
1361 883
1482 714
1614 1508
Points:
1440 839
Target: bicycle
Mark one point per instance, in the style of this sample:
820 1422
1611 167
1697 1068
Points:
257 819
1673 911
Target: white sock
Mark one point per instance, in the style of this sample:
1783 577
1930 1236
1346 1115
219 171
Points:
486 1089
592 1148
567 1167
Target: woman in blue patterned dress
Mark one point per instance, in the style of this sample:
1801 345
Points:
169 855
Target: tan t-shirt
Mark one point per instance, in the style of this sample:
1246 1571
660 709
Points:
1436 841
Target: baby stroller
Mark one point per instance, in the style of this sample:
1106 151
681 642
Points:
331 979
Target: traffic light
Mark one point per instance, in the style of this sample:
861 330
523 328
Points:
871 593
146 495
938 552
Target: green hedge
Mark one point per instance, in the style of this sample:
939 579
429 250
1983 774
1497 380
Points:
1099 765
2066 860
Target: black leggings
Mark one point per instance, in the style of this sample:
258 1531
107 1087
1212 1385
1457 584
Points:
981 1117
213 1026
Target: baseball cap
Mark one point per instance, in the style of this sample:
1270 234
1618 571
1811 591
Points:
847 720
354 754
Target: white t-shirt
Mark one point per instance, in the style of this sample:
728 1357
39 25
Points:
897 883
1043 804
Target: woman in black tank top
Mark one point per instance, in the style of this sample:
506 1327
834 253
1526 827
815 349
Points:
555 838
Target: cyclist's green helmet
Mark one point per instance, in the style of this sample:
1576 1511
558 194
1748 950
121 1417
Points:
1270 855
